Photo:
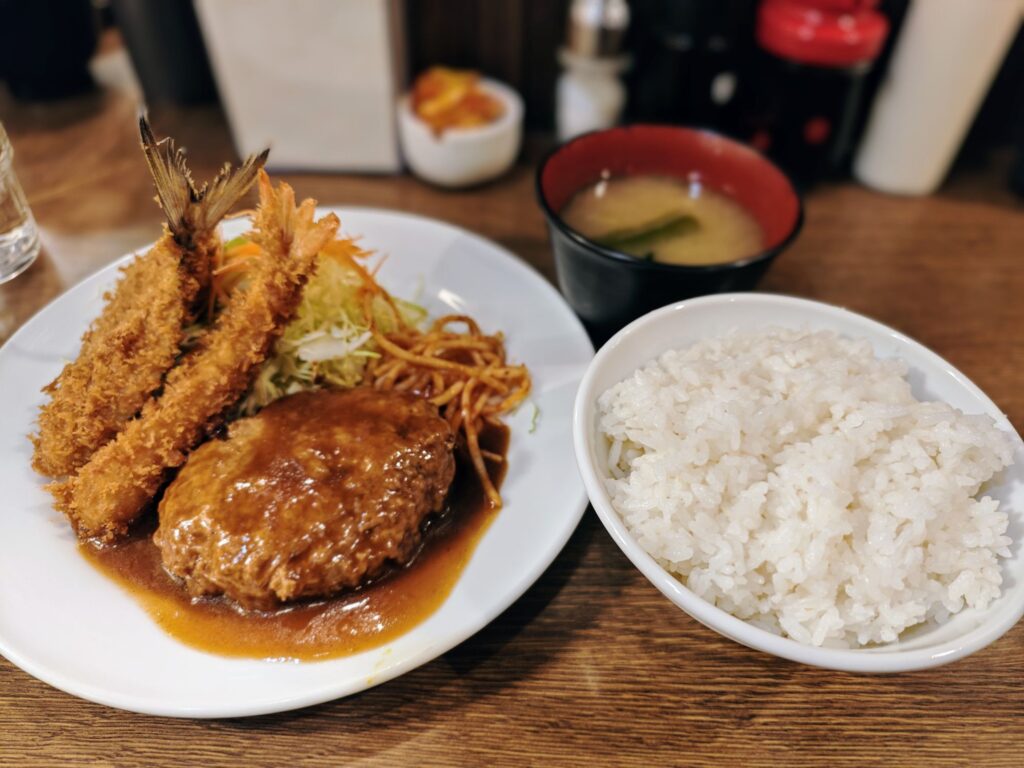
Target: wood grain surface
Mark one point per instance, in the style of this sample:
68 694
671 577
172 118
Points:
592 665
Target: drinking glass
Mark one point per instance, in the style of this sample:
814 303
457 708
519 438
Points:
19 237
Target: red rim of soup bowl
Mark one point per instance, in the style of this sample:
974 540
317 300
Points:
720 163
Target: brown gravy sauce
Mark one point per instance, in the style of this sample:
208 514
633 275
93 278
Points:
339 626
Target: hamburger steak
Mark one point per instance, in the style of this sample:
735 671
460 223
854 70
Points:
319 492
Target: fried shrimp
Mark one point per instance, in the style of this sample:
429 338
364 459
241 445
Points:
120 479
136 340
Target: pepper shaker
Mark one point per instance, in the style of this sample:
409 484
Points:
589 94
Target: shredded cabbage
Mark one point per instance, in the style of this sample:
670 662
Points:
328 342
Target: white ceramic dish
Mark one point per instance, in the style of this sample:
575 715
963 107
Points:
931 377
461 157
65 623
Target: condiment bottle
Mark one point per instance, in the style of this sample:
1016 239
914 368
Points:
589 94
805 89
945 58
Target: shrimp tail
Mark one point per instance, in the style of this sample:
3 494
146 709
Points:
192 212
117 483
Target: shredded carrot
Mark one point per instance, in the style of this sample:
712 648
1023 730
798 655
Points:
233 266
245 249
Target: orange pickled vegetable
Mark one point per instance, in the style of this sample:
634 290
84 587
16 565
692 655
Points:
452 98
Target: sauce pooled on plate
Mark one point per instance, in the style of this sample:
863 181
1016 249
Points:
357 620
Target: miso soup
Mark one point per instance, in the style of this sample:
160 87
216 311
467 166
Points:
664 219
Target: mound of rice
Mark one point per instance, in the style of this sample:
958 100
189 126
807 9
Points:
793 480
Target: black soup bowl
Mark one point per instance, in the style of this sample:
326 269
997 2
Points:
608 288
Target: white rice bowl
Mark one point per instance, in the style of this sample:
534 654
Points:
791 479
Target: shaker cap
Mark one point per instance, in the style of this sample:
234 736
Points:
831 33
596 28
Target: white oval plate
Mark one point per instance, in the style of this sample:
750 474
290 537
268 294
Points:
67 624
931 378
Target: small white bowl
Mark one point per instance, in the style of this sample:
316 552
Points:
931 377
461 157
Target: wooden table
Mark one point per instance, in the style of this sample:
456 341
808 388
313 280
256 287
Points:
592 665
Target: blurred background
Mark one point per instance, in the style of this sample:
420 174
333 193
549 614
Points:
721 64
899 122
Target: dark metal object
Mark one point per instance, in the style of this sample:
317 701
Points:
167 50
45 47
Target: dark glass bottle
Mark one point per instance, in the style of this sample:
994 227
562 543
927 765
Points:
687 56
45 47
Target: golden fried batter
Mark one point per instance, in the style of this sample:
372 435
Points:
136 340
122 361
120 479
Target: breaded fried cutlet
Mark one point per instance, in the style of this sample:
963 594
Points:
122 477
128 350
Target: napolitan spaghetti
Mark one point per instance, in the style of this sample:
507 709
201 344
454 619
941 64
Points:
465 374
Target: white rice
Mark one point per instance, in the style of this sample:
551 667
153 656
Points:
793 480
